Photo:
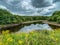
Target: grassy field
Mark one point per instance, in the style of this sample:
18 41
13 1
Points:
42 37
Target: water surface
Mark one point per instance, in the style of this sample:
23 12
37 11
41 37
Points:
35 27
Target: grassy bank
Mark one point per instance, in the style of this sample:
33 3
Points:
42 37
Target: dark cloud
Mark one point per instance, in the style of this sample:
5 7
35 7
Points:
40 3
33 7
56 1
12 6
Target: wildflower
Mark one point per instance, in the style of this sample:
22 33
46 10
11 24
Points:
1 43
52 37
7 31
56 39
10 39
27 35
20 41
3 32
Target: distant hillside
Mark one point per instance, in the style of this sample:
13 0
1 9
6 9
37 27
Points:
55 17
7 18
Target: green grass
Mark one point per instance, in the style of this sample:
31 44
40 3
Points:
33 38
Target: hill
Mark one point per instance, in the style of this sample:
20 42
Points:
55 17
8 18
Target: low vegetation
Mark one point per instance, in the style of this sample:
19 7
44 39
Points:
42 37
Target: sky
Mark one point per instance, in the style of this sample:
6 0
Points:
31 7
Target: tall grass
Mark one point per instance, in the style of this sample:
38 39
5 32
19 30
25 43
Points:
42 37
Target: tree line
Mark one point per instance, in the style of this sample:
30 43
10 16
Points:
7 17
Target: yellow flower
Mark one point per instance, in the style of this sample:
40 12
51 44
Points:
7 31
27 35
52 37
1 43
56 39
3 32
20 41
10 39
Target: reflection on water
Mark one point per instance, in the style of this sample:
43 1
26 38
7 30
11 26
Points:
35 27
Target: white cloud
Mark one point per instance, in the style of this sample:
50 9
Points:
57 6
3 7
52 6
26 4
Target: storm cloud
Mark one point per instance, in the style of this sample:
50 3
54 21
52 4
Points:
31 7
42 3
